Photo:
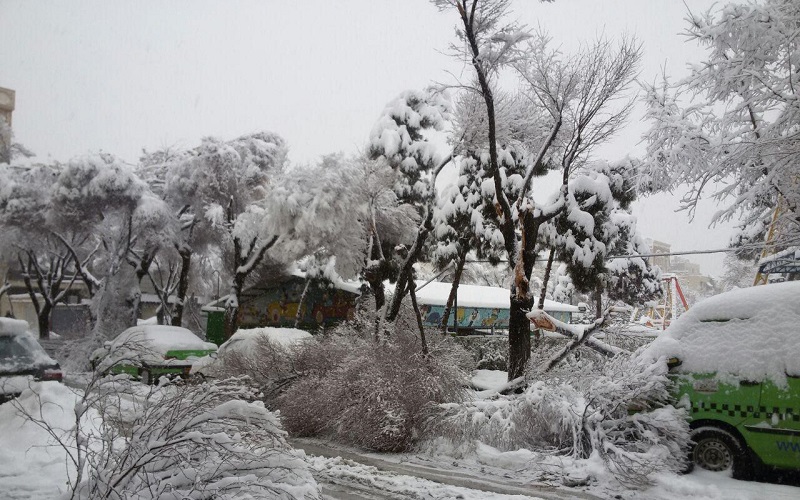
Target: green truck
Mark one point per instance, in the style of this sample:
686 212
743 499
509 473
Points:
147 352
735 360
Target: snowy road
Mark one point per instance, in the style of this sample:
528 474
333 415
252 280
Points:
346 475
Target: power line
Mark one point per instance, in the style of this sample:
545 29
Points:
642 255
670 254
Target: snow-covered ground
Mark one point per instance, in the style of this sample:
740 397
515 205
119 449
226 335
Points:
31 467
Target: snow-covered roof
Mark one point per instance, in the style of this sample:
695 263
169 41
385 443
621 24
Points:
351 286
787 261
749 333
436 293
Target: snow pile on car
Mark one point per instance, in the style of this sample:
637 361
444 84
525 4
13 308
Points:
746 334
163 338
9 326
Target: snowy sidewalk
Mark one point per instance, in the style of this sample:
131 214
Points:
341 465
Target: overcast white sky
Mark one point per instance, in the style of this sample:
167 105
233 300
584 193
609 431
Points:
122 76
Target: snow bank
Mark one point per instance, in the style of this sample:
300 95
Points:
745 334
31 465
489 380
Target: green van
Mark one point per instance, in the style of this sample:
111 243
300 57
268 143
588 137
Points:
735 359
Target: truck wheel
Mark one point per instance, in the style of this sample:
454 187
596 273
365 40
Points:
716 449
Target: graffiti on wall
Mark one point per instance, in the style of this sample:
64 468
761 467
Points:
279 306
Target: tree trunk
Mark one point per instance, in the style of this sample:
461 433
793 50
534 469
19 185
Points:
546 279
598 302
183 286
44 320
116 302
519 337
413 295
537 334
299 315
462 259
232 306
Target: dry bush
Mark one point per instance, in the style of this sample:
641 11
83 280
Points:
368 392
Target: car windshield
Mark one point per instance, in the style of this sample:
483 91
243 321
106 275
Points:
19 350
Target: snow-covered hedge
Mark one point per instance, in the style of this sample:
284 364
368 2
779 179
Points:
370 393
580 413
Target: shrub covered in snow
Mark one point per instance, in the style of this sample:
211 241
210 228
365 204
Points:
368 392
580 412
489 352
265 356
176 441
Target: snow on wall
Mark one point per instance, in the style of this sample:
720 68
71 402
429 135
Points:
745 334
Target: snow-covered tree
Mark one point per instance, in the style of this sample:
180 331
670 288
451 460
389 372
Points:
595 226
730 129
737 273
108 207
573 111
28 242
560 287
389 223
223 185
173 441
169 269
399 139
318 211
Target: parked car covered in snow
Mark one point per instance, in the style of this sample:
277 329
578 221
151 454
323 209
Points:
735 358
22 359
148 352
